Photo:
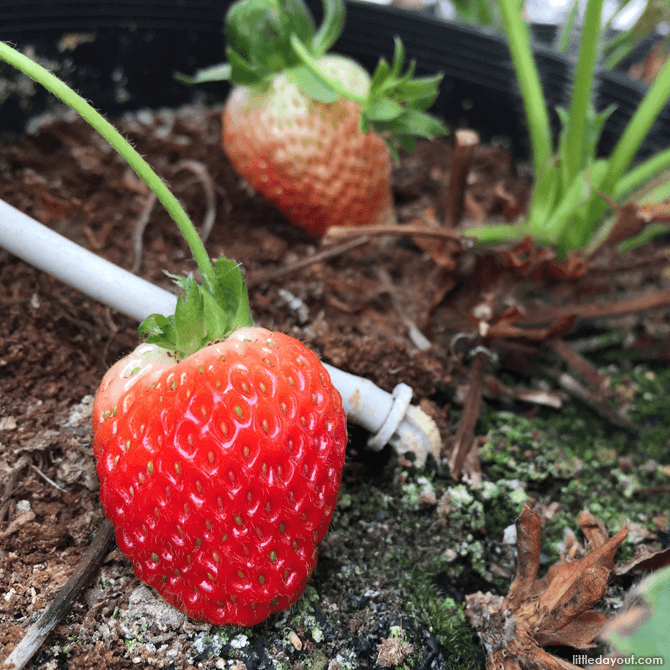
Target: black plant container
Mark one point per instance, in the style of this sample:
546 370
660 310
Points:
122 56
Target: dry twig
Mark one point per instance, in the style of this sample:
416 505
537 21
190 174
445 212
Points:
138 234
207 183
47 479
323 255
38 632
418 339
495 388
466 430
594 400
579 364
599 311
10 483
465 145
337 233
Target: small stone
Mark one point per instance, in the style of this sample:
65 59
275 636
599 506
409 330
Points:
295 640
8 423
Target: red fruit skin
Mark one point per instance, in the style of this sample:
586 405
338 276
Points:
310 160
221 473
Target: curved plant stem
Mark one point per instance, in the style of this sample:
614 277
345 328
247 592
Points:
91 116
568 26
638 127
518 38
313 66
330 28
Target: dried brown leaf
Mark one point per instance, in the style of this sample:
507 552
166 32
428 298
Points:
561 575
529 544
645 560
578 634
555 610
540 263
632 218
594 529
563 605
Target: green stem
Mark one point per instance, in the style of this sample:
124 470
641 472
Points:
90 115
629 143
641 174
501 233
313 66
518 38
568 26
581 90
638 127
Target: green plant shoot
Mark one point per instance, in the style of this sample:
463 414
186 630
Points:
567 207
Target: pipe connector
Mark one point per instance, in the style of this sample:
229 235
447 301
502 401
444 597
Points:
402 395
388 416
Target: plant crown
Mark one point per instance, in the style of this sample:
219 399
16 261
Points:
567 203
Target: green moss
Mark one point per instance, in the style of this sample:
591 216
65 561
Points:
414 492
446 618
578 460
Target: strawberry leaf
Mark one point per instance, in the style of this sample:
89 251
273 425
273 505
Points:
311 85
300 21
407 142
243 72
215 73
380 75
231 292
189 324
410 122
398 57
156 328
384 109
411 88
396 102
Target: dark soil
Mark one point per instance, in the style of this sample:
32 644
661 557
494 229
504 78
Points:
55 345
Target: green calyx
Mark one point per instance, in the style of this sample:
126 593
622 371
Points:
258 37
205 312
266 37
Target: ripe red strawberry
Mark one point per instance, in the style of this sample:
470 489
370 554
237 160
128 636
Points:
309 158
220 473
311 132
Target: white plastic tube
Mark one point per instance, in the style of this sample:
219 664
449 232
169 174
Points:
388 416
87 272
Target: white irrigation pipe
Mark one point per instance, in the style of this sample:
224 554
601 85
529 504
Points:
388 416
